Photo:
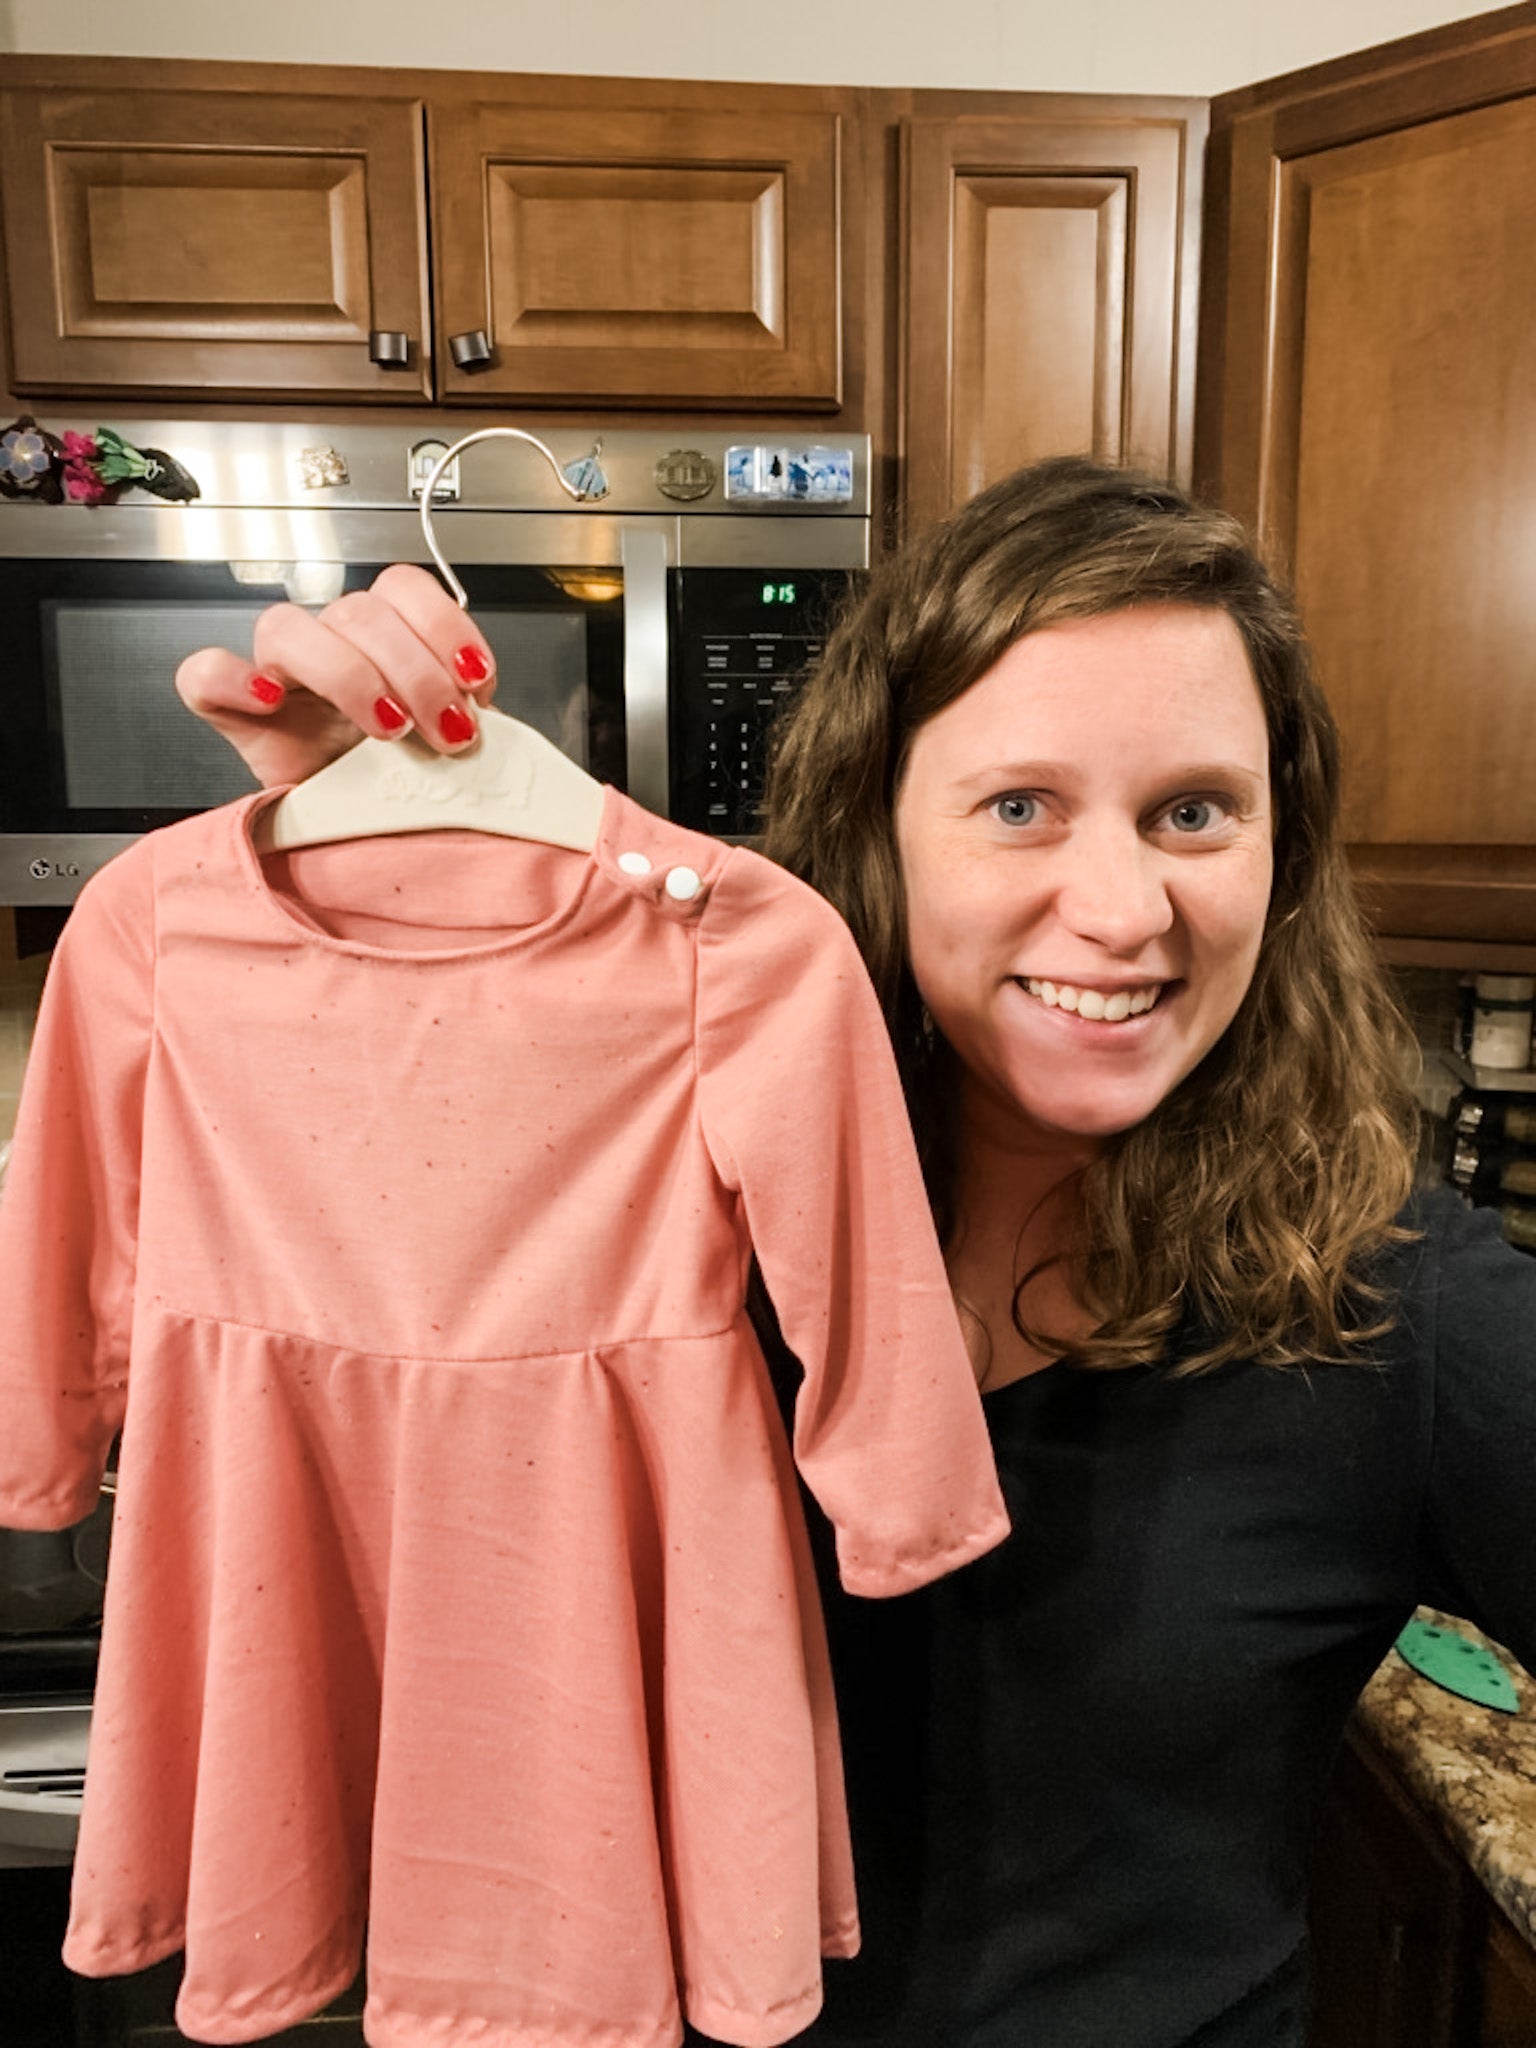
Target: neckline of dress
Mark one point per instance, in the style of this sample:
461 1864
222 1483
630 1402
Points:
248 810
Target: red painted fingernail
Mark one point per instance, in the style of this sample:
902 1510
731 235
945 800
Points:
265 691
471 665
456 726
390 715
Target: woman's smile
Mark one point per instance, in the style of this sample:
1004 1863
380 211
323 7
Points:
1091 1022
1112 1005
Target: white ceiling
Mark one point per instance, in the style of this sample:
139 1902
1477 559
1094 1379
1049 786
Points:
1178 46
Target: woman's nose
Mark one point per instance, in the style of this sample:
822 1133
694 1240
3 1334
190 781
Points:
1112 890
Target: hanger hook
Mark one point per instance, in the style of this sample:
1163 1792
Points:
582 480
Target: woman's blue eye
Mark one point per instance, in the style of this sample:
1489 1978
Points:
1014 809
1195 814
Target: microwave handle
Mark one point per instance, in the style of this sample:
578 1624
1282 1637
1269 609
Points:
647 661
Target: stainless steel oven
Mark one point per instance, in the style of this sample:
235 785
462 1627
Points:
652 631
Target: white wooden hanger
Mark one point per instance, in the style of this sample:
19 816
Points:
512 781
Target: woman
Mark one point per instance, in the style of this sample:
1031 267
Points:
1065 773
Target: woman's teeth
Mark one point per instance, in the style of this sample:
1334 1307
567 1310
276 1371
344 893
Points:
1093 1003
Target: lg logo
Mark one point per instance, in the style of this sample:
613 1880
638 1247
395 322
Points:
40 870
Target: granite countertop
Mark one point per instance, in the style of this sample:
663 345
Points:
1472 1768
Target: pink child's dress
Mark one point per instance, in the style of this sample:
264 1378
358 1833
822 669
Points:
459 1585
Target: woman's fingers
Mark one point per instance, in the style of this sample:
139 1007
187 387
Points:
314 653
282 733
450 635
398 657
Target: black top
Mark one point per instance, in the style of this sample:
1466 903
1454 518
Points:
1080 1768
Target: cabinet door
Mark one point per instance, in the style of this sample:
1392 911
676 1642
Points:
194 242
1507 1994
637 256
1391 1917
1049 294
1376 330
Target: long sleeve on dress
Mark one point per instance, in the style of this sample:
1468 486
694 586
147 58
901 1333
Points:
69 1214
804 1115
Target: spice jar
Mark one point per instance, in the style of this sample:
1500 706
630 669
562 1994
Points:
1501 1020
1510 1118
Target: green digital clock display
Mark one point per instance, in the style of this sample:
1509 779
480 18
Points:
778 593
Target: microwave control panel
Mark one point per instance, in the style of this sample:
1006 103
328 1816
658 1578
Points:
745 640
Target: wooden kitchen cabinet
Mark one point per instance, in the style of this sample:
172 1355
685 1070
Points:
1391 1914
686 255
1408 1949
975 279
1050 282
1506 2005
206 242
253 231
1368 402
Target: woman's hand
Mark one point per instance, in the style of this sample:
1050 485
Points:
397 657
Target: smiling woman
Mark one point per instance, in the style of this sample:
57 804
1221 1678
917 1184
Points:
1068 755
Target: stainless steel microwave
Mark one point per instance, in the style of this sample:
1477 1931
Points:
653 631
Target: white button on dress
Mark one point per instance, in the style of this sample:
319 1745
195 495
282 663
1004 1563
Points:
635 863
682 885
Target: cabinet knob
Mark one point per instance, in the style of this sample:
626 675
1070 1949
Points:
389 348
471 351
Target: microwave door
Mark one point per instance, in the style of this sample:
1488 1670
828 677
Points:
647 665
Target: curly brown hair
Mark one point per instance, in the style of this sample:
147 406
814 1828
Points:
1251 1204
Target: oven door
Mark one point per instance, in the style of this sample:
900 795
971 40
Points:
98 747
